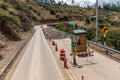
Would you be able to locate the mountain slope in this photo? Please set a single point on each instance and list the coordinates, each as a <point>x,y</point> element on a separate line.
<point>17,17</point>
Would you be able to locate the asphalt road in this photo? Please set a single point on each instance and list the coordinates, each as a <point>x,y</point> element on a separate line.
<point>37,63</point>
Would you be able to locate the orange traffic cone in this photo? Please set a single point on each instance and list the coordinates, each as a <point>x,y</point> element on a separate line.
<point>65,63</point>
<point>74,60</point>
<point>82,77</point>
<point>56,48</point>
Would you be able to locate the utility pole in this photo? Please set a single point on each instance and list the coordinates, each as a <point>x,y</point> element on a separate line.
<point>96,21</point>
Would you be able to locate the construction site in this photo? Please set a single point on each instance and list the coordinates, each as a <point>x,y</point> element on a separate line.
<point>96,66</point>
<point>59,40</point>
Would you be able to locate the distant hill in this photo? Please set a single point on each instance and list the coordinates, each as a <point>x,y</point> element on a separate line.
<point>17,17</point>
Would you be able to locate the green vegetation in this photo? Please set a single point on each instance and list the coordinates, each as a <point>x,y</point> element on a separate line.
<point>88,20</point>
<point>61,27</point>
<point>65,12</point>
<point>17,17</point>
<point>14,16</point>
<point>112,7</point>
<point>6,17</point>
<point>113,37</point>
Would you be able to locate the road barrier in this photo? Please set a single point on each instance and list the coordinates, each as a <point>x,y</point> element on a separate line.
<point>62,54</point>
<point>85,52</point>
<point>82,53</point>
<point>74,60</point>
<point>105,48</point>
<point>65,63</point>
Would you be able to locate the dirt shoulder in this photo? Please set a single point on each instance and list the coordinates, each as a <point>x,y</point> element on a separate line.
<point>8,52</point>
<point>8,49</point>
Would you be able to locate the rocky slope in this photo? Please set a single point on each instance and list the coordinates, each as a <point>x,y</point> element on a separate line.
<point>17,18</point>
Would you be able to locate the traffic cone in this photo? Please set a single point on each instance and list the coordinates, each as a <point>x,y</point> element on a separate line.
<point>56,48</point>
<point>82,77</point>
<point>74,60</point>
<point>53,43</point>
<point>49,38</point>
<point>65,63</point>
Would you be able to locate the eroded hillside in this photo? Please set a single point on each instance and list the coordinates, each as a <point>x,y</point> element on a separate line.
<point>17,18</point>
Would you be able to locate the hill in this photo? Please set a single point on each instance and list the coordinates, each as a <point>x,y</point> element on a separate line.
<point>17,18</point>
<point>85,19</point>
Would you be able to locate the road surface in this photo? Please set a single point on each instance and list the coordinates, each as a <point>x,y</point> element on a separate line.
<point>37,63</point>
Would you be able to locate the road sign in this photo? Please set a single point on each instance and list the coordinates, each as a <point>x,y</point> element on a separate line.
<point>105,30</point>
<point>71,23</point>
<point>74,44</point>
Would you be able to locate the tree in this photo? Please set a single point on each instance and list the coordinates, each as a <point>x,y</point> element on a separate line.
<point>52,2</point>
<point>73,2</point>
<point>46,1</point>
<point>99,7</point>
<point>59,3</point>
<point>65,4</point>
<point>88,20</point>
<point>111,7</point>
<point>88,6</point>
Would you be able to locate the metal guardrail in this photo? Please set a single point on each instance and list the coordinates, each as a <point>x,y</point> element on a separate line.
<point>106,48</point>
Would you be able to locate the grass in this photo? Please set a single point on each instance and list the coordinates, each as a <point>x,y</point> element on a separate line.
<point>26,14</point>
<point>68,11</point>
<point>6,16</point>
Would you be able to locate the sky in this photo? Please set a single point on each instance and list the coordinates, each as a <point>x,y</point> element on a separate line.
<point>86,2</point>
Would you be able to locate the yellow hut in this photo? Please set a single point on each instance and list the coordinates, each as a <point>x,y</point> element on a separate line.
<point>78,40</point>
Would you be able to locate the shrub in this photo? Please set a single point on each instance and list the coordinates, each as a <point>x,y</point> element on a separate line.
<point>115,23</point>
<point>93,19</point>
<point>113,38</point>
<point>52,12</point>
<point>4,5</point>
<point>90,33</point>
<point>7,17</point>
<point>61,27</point>
<point>88,21</point>
<point>65,18</point>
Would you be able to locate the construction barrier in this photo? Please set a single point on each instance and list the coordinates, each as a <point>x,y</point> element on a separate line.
<point>65,63</point>
<point>62,54</point>
<point>82,53</point>
<point>74,59</point>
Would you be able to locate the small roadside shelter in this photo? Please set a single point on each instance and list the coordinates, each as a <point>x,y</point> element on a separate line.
<point>78,40</point>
